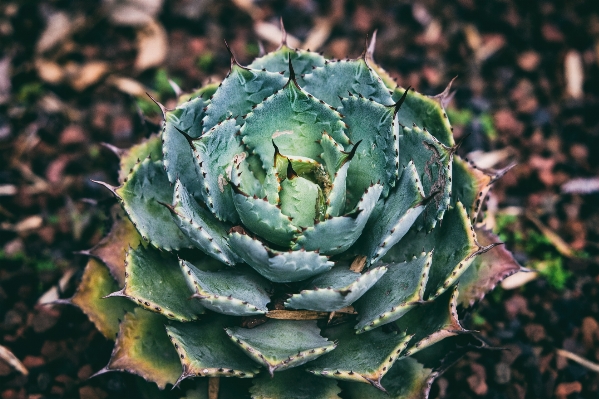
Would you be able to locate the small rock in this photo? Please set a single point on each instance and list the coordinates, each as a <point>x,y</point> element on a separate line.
<point>85,372</point>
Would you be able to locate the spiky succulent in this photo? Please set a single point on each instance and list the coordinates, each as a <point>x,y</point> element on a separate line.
<point>306,224</point>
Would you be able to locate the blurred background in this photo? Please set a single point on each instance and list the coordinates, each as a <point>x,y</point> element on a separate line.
<point>74,74</point>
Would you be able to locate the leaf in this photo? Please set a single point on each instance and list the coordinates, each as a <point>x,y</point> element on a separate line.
<point>232,292</point>
<point>360,357</point>
<point>282,344</point>
<point>294,121</point>
<point>431,322</point>
<point>201,227</point>
<point>140,195</point>
<point>398,291</point>
<point>487,270</point>
<point>265,219</point>
<point>112,249</point>
<point>391,221</point>
<point>470,186</point>
<point>278,266</point>
<point>324,237</point>
<point>285,385</point>
<point>204,350</point>
<point>407,379</point>
<point>154,280</point>
<point>142,347</point>
<point>239,92</point>
<point>375,160</point>
<point>130,157</point>
<point>433,161</point>
<point>454,244</point>
<point>105,313</point>
<point>336,78</point>
<point>335,289</point>
<point>178,156</point>
<point>278,61</point>
<point>425,112</point>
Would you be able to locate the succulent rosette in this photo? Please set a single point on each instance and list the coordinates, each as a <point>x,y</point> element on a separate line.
<point>305,224</point>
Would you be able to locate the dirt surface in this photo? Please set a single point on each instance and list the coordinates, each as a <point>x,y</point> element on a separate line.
<point>74,74</point>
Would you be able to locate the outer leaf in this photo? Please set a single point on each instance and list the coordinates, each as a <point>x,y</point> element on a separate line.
<point>112,249</point>
<point>178,159</point>
<point>285,385</point>
<point>278,267</point>
<point>149,147</point>
<point>142,348</point>
<point>141,194</point>
<point>362,358</point>
<point>204,350</point>
<point>201,227</point>
<point>282,344</point>
<point>433,162</point>
<point>242,89</point>
<point>407,379</point>
<point>105,313</point>
<point>154,281</point>
<point>394,294</point>
<point>335,78</point>
<point>487,270</point>
<point>375,160</point>
<point>391,222</point>
<point>215,152</point>
<point>324,237</point>
<point>278,61</point>
<point>470,186</point>
<point>236,293</point>
<point>431,322</point>
<point>335,289</point>
<point>454,245</point>
<point>426,112</point>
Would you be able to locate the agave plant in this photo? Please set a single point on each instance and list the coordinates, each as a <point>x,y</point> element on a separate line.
<point>304,227</point>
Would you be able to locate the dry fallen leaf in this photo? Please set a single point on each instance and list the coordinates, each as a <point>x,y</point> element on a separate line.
<point>49,71</point>
<point>58,27</point>
<point>88,74</point>
<point>132,12</point>
<point>574,74</point>
<point>12,360</point>
<point>128,85</point>
<point>152,44</point>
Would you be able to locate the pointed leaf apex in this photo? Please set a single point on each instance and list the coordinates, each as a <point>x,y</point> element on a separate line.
<point>115,294</point>
<point>108,186</point>
<point>398,104</point>
<point>100,372</point>
<point>162,107</point>
<point>117,151</point>
<point>283,33</point>
<point>371,46</point>
<point>445,97</point>
<point>233,59</point>
<point>187,136</point>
